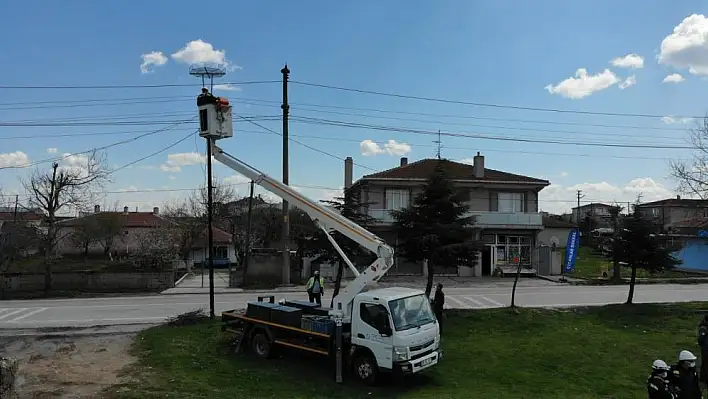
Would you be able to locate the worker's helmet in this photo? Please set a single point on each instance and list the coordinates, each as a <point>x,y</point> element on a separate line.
<point>687,356</point>
<point>660,365</point>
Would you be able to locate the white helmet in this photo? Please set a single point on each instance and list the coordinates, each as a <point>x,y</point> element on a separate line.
<point>660,365</point>
<point>686,356</point>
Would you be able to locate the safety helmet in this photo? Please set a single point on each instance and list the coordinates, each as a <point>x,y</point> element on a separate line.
<point>686,356</point>
<point>659,365</point>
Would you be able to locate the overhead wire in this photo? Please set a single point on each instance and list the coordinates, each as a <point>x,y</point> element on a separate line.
<point>480,104</point>
<point>152,86</point>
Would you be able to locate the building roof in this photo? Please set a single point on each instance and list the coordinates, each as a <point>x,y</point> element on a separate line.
<point>677,202</point>
<point>130,219</point>
<point>26,216</point>
<point>424,168</point>
<point>555,223</point>
<point>219,236</point>
<point>595,204</point>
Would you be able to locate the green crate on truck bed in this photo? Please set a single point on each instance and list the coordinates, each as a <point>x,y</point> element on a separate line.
<point>260,310</point>
<point>286,315</point>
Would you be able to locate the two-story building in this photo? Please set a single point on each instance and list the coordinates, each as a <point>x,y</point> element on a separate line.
<point>600,213</point>
<point>673,213</point>
<point>505,206</point>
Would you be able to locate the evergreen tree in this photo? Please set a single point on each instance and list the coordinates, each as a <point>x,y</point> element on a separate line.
<point>435,227</point>
<point>637,245</point>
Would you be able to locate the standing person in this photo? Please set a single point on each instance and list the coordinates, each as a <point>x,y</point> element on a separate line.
<point>315,288</point>
<point>657,385</point>
<point>438,302</point>
<point>703,344</point>
<point>683,376</point>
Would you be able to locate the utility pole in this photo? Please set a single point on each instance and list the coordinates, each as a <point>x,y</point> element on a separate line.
<point>286,177</point>
<point>17,202</point>
<point>248,233</point>
<point>210,213</point>
<point>579,195</point>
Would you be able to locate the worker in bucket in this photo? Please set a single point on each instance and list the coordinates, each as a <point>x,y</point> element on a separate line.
<point>315,288</point>
<point>438,303</point>
<point>657,384</point>
<point>683,377</point>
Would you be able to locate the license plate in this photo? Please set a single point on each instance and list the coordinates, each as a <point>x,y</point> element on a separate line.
<point>426,362</point>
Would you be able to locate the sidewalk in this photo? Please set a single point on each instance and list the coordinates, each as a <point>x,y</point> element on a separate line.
<point>193,284</point>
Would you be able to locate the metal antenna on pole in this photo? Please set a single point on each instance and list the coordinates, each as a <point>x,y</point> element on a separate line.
<point>438,153</point>
<point>210,72</point>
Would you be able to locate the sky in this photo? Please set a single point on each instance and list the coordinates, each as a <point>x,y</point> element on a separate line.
<point>518,62</point>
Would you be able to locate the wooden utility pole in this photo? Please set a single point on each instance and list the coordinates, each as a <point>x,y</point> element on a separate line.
<point>577,217</point>
<point>17,203</point>
<point>286,179</point>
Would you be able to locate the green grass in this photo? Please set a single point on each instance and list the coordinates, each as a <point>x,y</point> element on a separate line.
<point>582,353</point>
<point>590,264</point>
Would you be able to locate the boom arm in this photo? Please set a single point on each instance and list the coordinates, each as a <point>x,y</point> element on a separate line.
<point>326,219</point>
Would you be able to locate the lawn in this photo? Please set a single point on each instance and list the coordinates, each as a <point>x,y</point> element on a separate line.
<point>582,353</point>
<point>590,264</point>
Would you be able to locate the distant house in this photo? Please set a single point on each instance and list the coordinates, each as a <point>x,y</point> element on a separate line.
<point>128,226</point>
<point>32,217</point>
<point>598,212</point>
<point>675,213</point>
<point>224,252</point>
<point>505,204</point>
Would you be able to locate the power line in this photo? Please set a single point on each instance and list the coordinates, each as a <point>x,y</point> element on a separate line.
<point>28,87</point>
<point>152,154</point>
<point>56,159</point>
<point>305,145</point>
<point>489,105</point>
<point>326,122</point>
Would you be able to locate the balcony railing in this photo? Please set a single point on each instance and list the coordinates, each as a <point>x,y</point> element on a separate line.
<point>484,219</point>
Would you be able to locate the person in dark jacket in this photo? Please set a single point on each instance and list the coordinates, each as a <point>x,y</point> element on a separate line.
<point>683,377</point>
<point>657,385</point>
<point>438,303</point>
<point>703,344</point>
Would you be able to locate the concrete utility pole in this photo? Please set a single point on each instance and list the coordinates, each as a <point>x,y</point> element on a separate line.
<point>247,251</point>
<point>286,177</point>
<point>577,217</point>
<point>17,202</point>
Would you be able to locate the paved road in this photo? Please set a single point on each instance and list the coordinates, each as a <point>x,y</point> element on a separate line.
<point>155,309</point>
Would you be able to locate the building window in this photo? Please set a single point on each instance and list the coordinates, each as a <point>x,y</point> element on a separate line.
<point>511,202</point>
<point>397,199</point>
<point>512,250</point>
<point>221,253</point>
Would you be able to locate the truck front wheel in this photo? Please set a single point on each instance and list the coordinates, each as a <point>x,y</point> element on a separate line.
<point>365,369</point>
<point>261,345</point>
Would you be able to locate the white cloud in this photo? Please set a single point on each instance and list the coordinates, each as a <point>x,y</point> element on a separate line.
<point>151,60</point>
<point>669,120</point>
<point>176,161</point>
<point>77,164</point>
<point>630,81</point>
<point>199,51</point>
<point>583,85</point>
<point>673,78</point>
<point>52,150</point>
<point>687,46</point>
<point>392,147</point>
<point>172,177</point>
<point>564,174</point>
<point>14,159</point>
<point>227,87</point>
<point>560,199</point>
<point>633,61</point>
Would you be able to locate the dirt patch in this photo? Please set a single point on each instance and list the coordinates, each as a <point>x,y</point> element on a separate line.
<point>68,367</point>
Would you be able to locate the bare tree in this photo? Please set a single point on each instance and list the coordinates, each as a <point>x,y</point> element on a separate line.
<point>84,234</point>
<point>692,175</point>
<point>108,226</point>
<point>155,251</point>
<point>61,189</point>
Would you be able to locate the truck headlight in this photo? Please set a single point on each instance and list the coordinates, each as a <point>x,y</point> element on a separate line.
<point>400,353</point>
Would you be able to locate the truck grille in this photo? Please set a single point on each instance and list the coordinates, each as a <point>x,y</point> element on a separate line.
<point>422,346</point>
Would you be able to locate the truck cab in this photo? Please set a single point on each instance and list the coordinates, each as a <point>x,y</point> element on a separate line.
<point>393,330</point>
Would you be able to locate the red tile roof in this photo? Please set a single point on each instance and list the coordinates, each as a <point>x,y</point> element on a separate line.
<point>455,170</point>
<point>20,216</point>
<point>220,237</point>
<point>130,220</point>
<point>676,202</point>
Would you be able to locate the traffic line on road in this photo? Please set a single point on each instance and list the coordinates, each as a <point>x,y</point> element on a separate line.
<point>26,315</point>
<point>5,313</point>
<point>460,304</point>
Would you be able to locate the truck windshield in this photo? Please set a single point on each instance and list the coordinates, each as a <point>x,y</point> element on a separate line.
<point>411,312</point>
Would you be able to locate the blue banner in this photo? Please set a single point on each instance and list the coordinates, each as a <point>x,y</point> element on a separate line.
<point>571,250</point>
